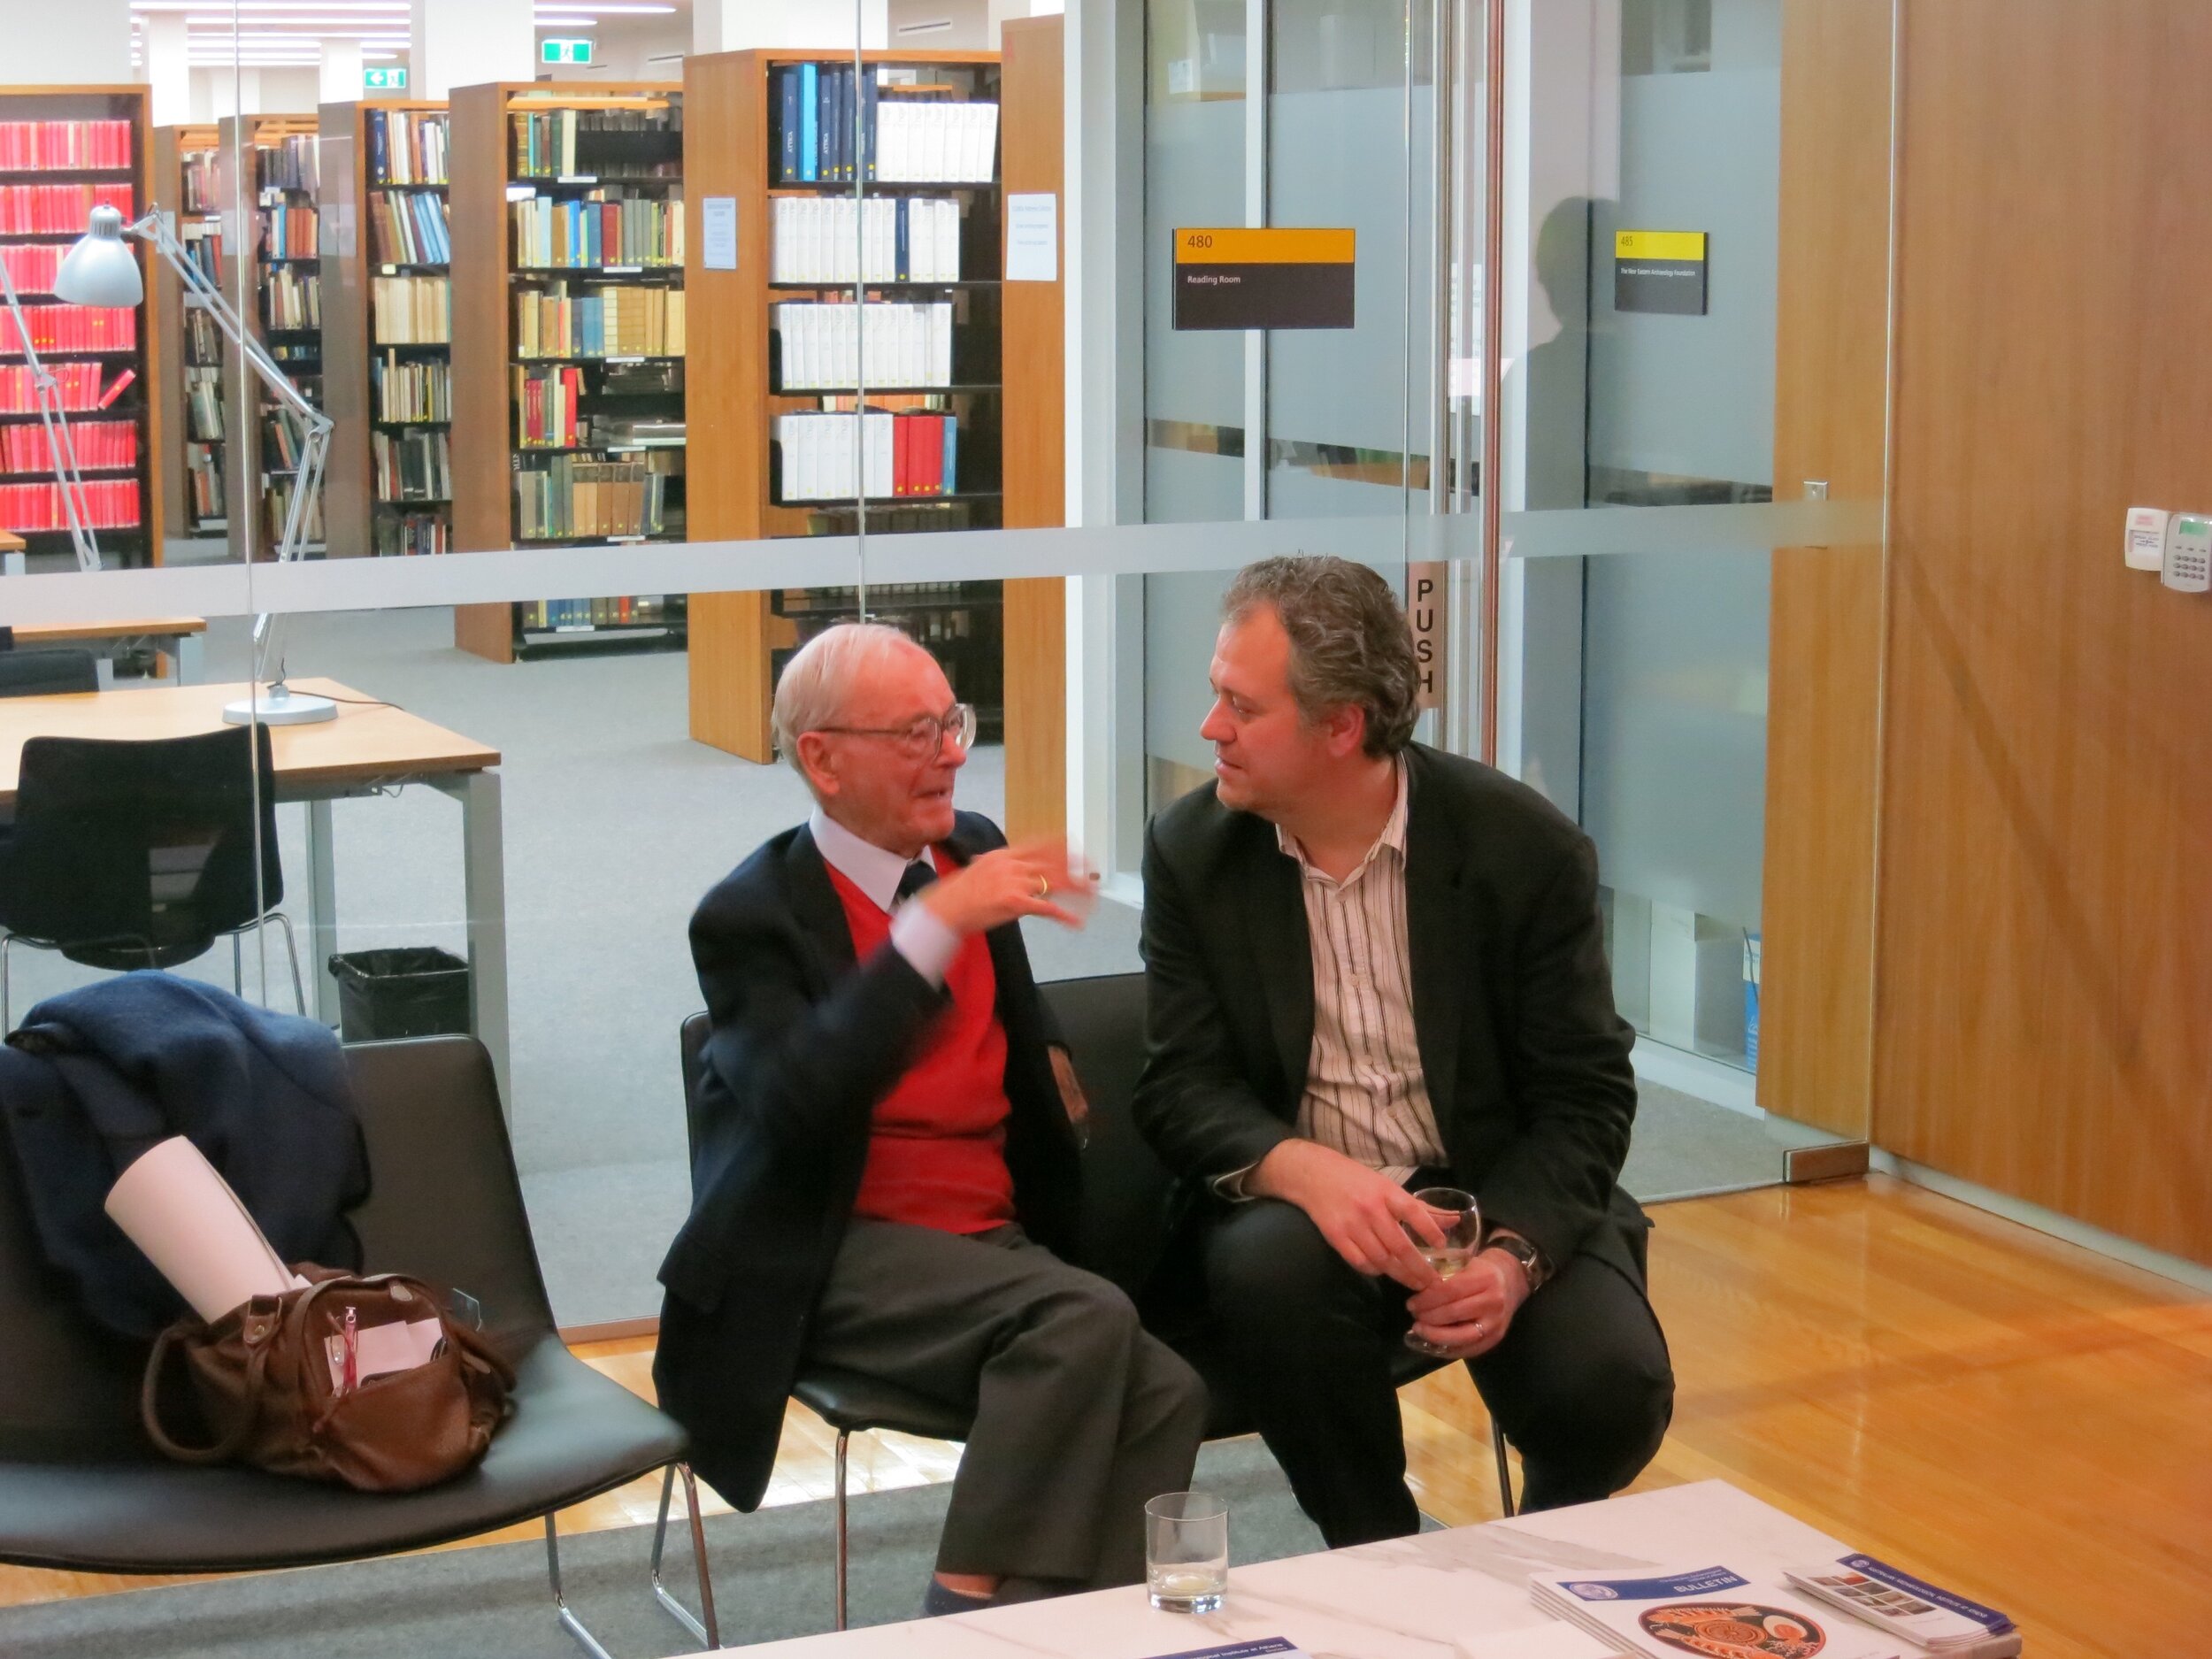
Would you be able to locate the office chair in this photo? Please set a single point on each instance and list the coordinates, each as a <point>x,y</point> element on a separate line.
<point>35,673</point>
<point>81,1488</point>
<point>141,854</point>
<point>1125,1192</point>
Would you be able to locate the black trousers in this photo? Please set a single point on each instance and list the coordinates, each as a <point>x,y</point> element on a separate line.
<point>1080,1417</point>
<point>1582,1383</point>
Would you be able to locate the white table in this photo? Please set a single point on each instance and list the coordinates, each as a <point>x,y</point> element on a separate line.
<point>1457,1594</point>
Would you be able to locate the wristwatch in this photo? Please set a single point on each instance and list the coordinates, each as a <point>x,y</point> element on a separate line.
<point>1520,1249</point>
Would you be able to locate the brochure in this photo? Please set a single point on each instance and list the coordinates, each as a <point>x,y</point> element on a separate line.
<point>1889,1599</point>
<point>1713,1612</point>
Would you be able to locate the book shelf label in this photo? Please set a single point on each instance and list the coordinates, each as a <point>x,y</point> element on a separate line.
<point>718,227</point>
<point>1033,238</point>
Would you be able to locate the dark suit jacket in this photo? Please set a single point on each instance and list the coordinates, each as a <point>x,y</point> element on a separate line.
<point>1526,1060</point>
<point>805,1041</point>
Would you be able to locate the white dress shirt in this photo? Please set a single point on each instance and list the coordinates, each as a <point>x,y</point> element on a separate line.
<point>1366,1095</point>
<point>927,943</point>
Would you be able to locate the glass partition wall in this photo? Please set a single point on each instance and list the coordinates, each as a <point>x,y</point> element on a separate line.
<point>637,377</point>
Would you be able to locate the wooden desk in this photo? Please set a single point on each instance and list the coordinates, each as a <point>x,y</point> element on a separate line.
<point>370,745</point>
<point>10,542</point>
<point>177,638</point>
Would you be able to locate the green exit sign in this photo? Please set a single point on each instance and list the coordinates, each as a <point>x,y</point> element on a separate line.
<point>563,52</point>
<point>387,78</point>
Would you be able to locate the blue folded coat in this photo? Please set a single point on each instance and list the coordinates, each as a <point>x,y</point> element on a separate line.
<point>95,1077</point>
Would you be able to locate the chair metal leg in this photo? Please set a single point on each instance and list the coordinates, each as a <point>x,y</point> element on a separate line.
<point>291,949</point>
<point>569,1623</point>
<point>7,1009</point>
<point>844,1538</point>
<point>708,1632</point>
<point>237,968</point>
<point>1505,1472</point>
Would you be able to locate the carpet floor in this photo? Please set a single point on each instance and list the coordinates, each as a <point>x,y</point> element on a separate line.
<point>615,823</point>
<point>773,1578</point>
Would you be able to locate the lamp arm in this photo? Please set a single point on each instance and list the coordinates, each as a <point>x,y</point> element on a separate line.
<point>154,230</point>
<point>61,445</point>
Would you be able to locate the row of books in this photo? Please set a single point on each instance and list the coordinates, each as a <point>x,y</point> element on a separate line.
<point>80,386</point>
<point>600,322</point>
<point>292,298</point>
<point>277,506</point>
<point>110,504</point>
<point>32,264</point>
<point>64,146</point>
<point>203,483</point>
<point>198,183</point>
<point>203,402</point>
<point>102,446</point>
<point>603,230</point>
<point>411,311</point>
<point>409,227</point>
<point>547,144</point>
<point>404,534</point>
<point>72,329</point>
<point>50,210</point>
<point>203,341</point>
<point>553,616</point>
<point>412,465</point>
<point>289,233</point>
<point>823,346</point>
<point>900,456</point>
<point>898,238</point>
<point>546,408</point>
<point>571,498</point>
<point>832,126</point>
<point>410,389</point>
<point>406,147</point>
<point>1853,1608</point>
<point>291,164</point>
<point>202,242</point>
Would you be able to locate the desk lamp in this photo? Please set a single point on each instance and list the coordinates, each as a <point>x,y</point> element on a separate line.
<point>100,269</point>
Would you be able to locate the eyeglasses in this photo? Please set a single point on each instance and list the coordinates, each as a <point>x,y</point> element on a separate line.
<point>922,737</point>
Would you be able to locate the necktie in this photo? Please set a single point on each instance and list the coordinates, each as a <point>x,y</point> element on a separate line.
<point>919,875</point>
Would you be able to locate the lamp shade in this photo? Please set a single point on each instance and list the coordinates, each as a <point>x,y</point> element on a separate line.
<point>100,269</point>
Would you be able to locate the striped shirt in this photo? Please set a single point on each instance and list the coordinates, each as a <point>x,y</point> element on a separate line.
<point>1365,1095</point>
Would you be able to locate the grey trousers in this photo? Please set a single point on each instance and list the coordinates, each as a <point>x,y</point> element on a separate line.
<point>1080,1415</point>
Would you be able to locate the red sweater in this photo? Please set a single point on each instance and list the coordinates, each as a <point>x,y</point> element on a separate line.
<point>937,1147</point>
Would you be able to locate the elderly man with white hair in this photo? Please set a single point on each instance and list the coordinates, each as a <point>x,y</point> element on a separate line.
<point>888,1155</point>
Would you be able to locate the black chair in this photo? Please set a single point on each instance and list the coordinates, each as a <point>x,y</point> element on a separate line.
<point>141,854</point>
<point>1126,1193</point>
<point>82,1489</point>
<point>37,674</point>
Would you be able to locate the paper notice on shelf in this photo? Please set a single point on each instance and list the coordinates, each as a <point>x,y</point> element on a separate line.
<point>717,217</point>
<point>1033,238</point>
<point>176,1207</point>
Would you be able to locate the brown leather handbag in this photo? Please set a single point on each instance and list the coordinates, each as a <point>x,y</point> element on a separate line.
<point>273,1384</point>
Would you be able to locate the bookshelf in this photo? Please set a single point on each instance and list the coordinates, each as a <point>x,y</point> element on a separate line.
<point>570,317</point>
<point>387,327</point>
<point>190,392</point>
<point>111,360</point>
<point>754,472</point>
<point>276,265</point>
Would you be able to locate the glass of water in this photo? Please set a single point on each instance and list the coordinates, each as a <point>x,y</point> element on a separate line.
<point>1459,1220</point>
<point>1187,1551</point>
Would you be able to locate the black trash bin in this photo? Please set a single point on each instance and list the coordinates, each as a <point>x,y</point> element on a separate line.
<point>407,990</point>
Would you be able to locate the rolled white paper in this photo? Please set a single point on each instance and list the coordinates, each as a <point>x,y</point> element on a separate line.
<point>179,1209</point>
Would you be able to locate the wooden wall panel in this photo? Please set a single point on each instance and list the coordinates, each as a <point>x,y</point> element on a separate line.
<point>483,487</point>
<point>1817,998</point>
<point>1035,442</point>
<point>2045,923</point>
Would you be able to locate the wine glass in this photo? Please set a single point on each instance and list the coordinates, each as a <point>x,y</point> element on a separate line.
<point>1455,1213</point>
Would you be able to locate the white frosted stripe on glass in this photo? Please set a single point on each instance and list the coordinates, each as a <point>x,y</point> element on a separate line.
<point>1381,541</point>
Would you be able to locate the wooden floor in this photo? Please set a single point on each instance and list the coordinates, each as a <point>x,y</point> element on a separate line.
<point>2007,1415</point>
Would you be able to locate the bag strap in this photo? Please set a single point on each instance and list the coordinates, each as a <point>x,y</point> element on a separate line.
<point>149,1406</point>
